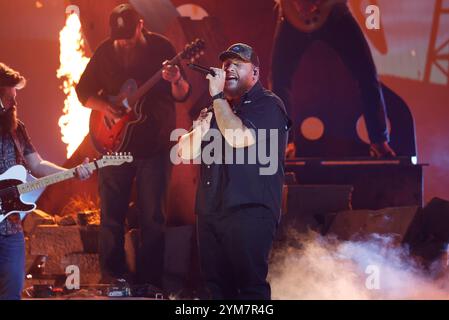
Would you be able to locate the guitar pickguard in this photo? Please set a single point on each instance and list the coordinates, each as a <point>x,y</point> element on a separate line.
<point>10,199</point>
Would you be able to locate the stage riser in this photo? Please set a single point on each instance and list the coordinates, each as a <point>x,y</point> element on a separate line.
<point>375,186</point>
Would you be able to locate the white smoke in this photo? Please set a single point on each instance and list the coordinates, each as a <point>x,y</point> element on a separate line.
<point>325,268</point>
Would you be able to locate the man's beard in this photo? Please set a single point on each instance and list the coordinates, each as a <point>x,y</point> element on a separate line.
<point>237,91</point>
<point>131,55</point>
<point>8,121</point>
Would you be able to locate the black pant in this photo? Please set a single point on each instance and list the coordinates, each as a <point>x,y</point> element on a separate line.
<point>234,247</point>
<point>344,35</point>
<point>115,184</point>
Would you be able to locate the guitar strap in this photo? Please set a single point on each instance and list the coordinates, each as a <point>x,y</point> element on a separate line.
<point>15,218</point>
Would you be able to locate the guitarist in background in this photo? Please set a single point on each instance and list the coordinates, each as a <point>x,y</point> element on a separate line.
<point>340,31</point>
<point>16,148</point>
<point>134,53</point>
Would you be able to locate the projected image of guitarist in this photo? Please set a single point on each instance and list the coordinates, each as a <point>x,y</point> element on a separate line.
<point>17,152</point>
<point>132,83</point>
<point>300,23</point>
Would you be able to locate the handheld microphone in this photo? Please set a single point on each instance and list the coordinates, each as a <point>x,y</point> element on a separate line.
<point>201,69</point>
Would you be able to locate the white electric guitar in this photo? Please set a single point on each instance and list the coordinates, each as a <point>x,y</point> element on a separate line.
<point>18,194</point>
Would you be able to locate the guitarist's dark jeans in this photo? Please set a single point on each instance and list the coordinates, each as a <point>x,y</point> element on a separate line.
<point>115,185</point>
<point>343,34</point>
<point>12,266</point>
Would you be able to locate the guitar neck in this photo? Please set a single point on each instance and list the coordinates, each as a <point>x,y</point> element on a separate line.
<point>54,178</point>
<point>143,89</point>
<point>150,83</point>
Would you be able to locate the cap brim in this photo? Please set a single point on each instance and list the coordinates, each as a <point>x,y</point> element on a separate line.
<point>231,55</point>
<point>122,35</point>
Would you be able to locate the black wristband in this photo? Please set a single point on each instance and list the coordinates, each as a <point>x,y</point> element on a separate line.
<point>219,96</point>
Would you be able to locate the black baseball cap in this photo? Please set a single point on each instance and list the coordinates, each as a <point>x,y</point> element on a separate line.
<point>123,22</point>
<point>241,51</point>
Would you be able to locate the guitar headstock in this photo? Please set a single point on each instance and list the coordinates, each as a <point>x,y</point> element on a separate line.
<point>194,50</point>
<point>116,159</point>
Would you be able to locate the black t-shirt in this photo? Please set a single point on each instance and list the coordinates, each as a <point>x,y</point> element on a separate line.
<point>228,186</point>
<point>105,75</point>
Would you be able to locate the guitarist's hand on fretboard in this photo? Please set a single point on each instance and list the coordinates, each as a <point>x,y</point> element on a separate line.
<point>83,172</point>
<point>171,73</point>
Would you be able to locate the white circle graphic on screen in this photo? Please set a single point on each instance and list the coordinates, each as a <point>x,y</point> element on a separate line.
<point>193,11</point>
<point>362,132</point>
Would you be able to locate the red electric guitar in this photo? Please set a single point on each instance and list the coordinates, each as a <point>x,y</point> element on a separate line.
<point>109,135</point>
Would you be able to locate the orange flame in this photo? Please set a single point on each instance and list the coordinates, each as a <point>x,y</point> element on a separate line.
<point>74,123</point>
